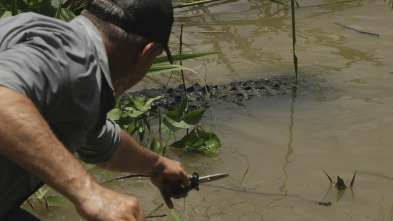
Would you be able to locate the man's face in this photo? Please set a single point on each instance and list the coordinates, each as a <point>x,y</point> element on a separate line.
<point>144,68</point>
<point>131,75</point>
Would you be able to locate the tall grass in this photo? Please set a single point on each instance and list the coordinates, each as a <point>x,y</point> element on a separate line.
<point>294,37</point>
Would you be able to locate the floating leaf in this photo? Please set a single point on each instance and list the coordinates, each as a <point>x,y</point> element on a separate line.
<point>198,140</point>
<point>211,141</point>
<point>191,141</point>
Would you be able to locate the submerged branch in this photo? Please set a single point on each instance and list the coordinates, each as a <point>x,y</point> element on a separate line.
<point>358,31</point>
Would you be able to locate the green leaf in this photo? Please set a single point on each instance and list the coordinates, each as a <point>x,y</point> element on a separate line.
<point>65,15</point>
<point>138,101</point>
<point>141,130</point>
<point>166,143</point>
<point>140,104</point>
<point>88,166</point>
<point>191,141</point>
<point>186,140</point>
<point>155,145</point>
<point>180,143</point>
<point>55,201</point>
<point>136,113</point>
<point>174,125</point>
<point>211,141</point>
<point>174,216</point>
<point>199,140</point>
<point>180,57</point>
<point>151,100</point>
<point>164,127</point>
<point>132,128</point>
<point>145,119</point>
<point>194,117</point>
<point>4,14</point>
<point>114,114</point>
<point>179,112</point>
<point>119,102</point>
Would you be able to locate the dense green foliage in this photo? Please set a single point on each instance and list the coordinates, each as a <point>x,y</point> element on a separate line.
<point>134,116</point>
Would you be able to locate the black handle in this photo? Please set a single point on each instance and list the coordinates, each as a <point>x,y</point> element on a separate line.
<point>194,184</point>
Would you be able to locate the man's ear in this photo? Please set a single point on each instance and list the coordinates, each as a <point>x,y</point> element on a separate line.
<point>144,54</point>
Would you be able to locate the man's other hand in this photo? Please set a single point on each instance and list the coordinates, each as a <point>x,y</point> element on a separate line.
<point>171,178</point>
<point>105,204</point>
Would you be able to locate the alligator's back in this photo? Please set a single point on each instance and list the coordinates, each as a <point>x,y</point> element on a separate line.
<point>204,96</point>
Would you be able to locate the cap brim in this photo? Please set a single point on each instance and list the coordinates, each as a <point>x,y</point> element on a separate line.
<point>168,54</point>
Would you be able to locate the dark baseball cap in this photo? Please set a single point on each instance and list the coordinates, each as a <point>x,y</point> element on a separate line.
<point>151,19</point>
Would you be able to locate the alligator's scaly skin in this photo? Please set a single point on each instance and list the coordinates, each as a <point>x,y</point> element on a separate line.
<point>232,92</point>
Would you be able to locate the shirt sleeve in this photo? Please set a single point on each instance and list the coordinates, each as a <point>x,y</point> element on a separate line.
<point>101,146</point>
<point>13,81</point>
<point>56,66</point>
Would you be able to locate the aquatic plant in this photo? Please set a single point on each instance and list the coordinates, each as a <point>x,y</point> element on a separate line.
<point>340,185</point>
<point>293,2</point>
<point>133,115</point>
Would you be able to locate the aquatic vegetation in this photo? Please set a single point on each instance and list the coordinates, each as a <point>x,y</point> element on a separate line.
<point>340,185</point>
<point>191,3</point>
<point>174,216</point>
<point>133,115</point>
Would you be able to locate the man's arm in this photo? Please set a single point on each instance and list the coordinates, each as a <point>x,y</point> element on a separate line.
<point>168,175</point>
<point>27,140</point>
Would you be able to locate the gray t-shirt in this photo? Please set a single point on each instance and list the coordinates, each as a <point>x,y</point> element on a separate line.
<point>63,68</point>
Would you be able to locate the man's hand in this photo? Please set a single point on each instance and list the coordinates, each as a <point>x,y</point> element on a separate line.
<point>172,178</point>
<point>24,134</point>
<point>105,204</point>
<point>168,175</point>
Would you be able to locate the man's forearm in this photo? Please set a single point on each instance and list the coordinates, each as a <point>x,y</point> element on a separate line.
<point>133,157</point>
<point>27,140</point>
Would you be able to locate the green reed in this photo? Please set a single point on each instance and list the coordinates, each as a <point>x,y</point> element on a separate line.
<point>293,3</point>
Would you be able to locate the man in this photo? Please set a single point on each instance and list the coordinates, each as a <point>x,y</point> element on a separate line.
<point>57,82</point>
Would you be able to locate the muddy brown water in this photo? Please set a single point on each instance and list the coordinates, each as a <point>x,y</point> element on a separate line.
<point>275,148</point>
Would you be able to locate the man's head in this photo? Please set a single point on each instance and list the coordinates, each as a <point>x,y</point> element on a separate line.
<point>149,19</point>
<point>135,32</point>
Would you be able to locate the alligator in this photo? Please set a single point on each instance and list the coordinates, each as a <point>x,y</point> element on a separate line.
<point>238,91</point>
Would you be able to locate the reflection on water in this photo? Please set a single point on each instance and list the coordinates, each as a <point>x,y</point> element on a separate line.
<point>275,148</point>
